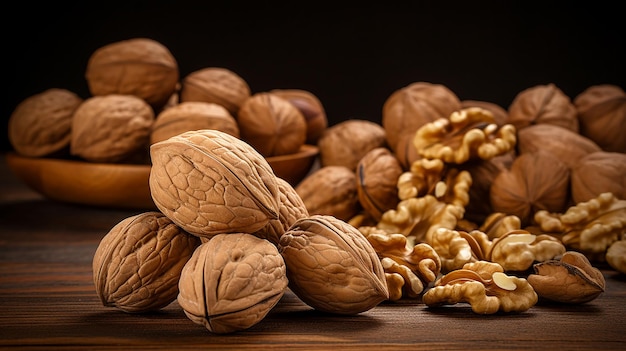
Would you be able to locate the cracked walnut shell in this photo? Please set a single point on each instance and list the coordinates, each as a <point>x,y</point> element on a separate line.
<point>138,263</point>
<point>209,182</point>
<point>231,282</point>
<point>332,267</point>
<point>140,66</point>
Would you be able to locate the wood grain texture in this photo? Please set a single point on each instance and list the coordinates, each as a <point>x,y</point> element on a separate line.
<point>48,301</point>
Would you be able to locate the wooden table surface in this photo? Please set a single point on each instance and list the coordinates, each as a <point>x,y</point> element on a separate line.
<point>48,301</point>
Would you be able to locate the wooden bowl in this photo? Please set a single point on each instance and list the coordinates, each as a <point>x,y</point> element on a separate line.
<point>294,167</point>
<point>99,184</point>
<point>121,185</point>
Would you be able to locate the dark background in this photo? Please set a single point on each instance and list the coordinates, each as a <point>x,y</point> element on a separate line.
<point>352,58</point>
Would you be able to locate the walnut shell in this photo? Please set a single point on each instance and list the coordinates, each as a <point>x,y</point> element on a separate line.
<point>231,282</point>
<point>543,104</point>
<point>311,107</point>
<point>332,267</point>
<point>602,116</point>
<point>414,105</point>
<point>138,263</point>
<point>536,181</point>
<point>597,173</point>
<point>271,124</point>
<point>41,124</point>
<point>345,143</point>
<point>209,182</point>
<point>377,177</point>
<point>111,128</point>
<point>140,66</point>
<point>330,190</point>
<point>217,85</point>
<point>566,145</point>
<point>192,115</point>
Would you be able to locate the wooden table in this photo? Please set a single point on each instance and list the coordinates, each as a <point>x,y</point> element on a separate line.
<point>48,301</point>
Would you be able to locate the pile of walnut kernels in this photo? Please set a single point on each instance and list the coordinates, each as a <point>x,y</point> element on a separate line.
<point>447,201</point>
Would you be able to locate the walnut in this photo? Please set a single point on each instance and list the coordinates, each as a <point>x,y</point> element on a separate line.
<point>500,115</point>
<point>345,143</point>
<point>139,66</point>
<point>597,173</point>
<point>543,104</point>
<point>464,135</point>
<point>332,267</point>
<point>376,177</point>
<point>616,255</point>
<point>311,108</point>
<point>410,107</point>
<point>571,279</point>
<point>536,181</point>
<point>291,209</point>
<point>40,125</point>
<point>589,227</point>
<point>566,145</point>
<point>408,268</point>
<point>271,124</point>
<point>485,287</point>
<point>217,85</point>
<point>602,116</point>
<point>192,115</point>
<point>138,263</point>
<point>111,128</point>
<point>339,197</point>
<point>497,224</point>
<point>405,152</point>
<point>209,182</point>
<point>232,282</point>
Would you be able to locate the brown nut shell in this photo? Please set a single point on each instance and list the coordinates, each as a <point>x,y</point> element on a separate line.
<point>231,282</point>
<point>271,124</point>
<point>311,107</point>
<point>410,107</point>
<point>138,263</point>
<point>332,267</point>
<point>377,177</point>
<point>209,182</point>
<point>111,128</point>
<point>345,143</point>
<point>543,104</point>
<point>41,124</point>
<point>330,190</point>
<point>602,116</point>
<point>140,66</point>
<point>217,85</point>
<point>192,115</point>
<point>597,173</point>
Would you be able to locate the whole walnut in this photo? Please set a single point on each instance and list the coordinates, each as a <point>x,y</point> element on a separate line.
<point>414,105</point>
<point>140,66</point>
<point>597,173</point>
<point>311,107</point>
<point>330,190</point>
<point>602,116</point>
<point>41,124</point>
<point>543,104</point>
<point>345,143</point>
<point>138,263</point>
<point>271,124</point>
<point>111,128</point>
<point>192,115</point>
<point>536,181</point>
<point>377,177</point>
<point>217,85</point>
